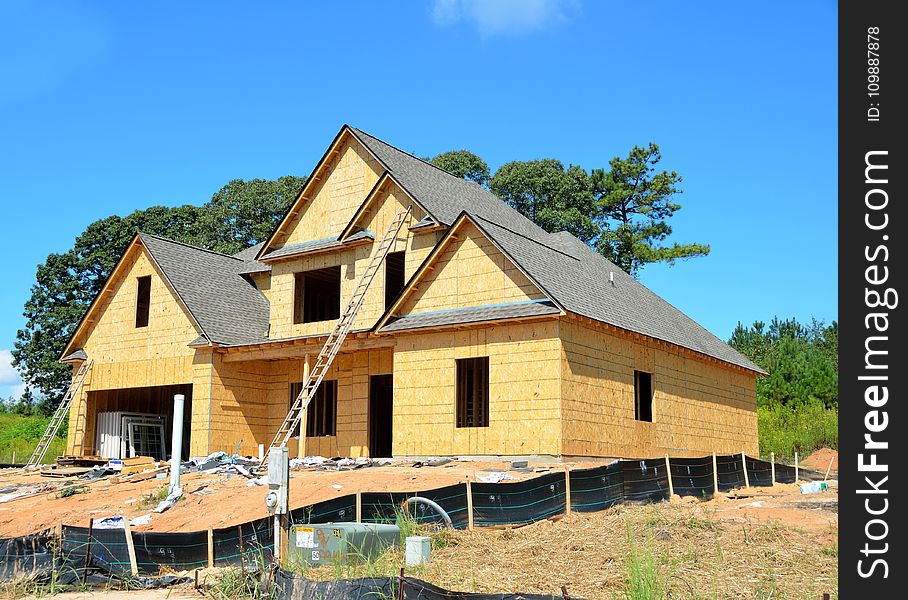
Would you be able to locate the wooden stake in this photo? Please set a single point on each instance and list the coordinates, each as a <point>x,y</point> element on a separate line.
<point>359,507</point>
<point>400,588</point>
<point>668,471</point>
<point>91,524</point>
<point>130,548</point>
<point>210,547</point>
<point>469,505</point>
<point>829,468</point>
<point>772,462</point>
<point>796,467</point>
<point>567,490</point>
<point>715,475</point>
<point>744,464</point>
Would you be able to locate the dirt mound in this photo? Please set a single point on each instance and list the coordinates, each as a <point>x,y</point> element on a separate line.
<point>819,460</point>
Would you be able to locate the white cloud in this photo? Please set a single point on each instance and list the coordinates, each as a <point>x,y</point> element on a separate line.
<point>501,17</point>
<point>10,381</point>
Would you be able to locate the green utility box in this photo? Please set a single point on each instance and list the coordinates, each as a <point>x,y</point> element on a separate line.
<point>330,543</point>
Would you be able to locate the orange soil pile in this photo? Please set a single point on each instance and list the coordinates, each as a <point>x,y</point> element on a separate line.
<point>819,460</point>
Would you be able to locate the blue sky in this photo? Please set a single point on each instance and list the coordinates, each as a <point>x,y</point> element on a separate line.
<point>109,107</point>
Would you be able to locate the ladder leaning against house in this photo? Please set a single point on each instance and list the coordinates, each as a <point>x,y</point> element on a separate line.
<point>59,414</point>
<point>338,334</point>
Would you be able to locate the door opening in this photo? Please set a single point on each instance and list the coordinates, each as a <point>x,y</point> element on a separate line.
<point>381,405</point>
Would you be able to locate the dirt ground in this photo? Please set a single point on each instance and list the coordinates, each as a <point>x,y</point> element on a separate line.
<point>233,501</point>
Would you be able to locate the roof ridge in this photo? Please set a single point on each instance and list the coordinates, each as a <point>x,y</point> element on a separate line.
<point>509,230</point>
<point>392,146</point>
<point>200,249</point>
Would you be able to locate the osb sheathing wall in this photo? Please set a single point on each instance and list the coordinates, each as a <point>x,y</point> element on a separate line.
<point>344,182</point>
<point>352,262</point>
<point>249,401</point>
<point>524,391</point>
<point>471,271</point>
<point>698,406</point>
<point>127,356</point>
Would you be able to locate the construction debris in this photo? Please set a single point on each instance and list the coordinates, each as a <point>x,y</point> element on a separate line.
<point>169,501</point>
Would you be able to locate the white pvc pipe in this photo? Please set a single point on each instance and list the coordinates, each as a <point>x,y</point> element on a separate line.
<point>177,442</point>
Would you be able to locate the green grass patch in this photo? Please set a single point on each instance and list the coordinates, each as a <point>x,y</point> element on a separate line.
<point>19,435</point>
<point>802,429</point>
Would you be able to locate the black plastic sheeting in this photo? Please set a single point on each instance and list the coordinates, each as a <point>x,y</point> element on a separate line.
<point>108,551</point>
<point>597,488</point>
<point>247,544</point>
<point>178,551</point>
<point>382,507</point>
<point>785,474</point>
<point>521,502</point>
<point>340,509</point>
<point>692,476</point>
<point>730,472</point>
<point>26,555</point>
<point>295,587</point>
<point>759,472</point>
<point>645,480</point>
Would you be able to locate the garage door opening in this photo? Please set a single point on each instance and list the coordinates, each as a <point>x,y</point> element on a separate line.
<point>136,421</point>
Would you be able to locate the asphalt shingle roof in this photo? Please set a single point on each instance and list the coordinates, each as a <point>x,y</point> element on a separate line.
<point>471,315</point>
<point>231,311</point>
<point>317,245</point>
<point>227,306</point>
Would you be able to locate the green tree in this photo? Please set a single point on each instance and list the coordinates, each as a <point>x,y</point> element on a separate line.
<point>633,205</point>
<point>802,361</point>
<point>555,198</point>
<point>464,164</point>
<point>244,213</point>
<point>67,283</point>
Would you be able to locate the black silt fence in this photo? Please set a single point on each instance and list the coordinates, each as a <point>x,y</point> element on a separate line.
<point>25,555</point>
<point>730,472</point>
<point>246,544</point>
<point>382,507</point>
<point>645,480</point>
<point>692,476</point>
<point>108,550</point>
<point>759,472</point>
<point>521,502</point>
<point>340,509</point>
<point>178,551</point>
<point>598,488</point>
<point>784,474</point>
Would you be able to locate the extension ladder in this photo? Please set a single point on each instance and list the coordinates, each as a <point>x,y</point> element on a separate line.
<point>59,414</point>
<point>338,334</point>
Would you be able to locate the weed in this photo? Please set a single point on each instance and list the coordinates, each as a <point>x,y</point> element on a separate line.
<point>644,579</point>
<point>830,550</point>
<point>154,498</point>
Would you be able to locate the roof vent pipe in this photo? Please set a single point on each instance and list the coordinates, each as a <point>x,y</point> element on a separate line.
<point>611,278</point>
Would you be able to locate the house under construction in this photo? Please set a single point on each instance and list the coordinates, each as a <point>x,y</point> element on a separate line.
<point>469,331</point>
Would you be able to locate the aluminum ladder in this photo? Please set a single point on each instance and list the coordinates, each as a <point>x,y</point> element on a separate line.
<point>338,334</point>
<point>59,414</point>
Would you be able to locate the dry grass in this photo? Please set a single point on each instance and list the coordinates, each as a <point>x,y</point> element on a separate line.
<point>690,550</point>
<point>696,555</point>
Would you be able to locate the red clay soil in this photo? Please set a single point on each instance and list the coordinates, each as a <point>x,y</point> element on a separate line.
<point>233,501</point>
<point>819,460</point>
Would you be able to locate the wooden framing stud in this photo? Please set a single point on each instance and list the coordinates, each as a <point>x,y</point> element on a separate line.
<point>715,475</point>
<point>668,474</point>
<point>744,466</point>
<point>210,548</point>
<point>567,490</point>
<point>469,505</point>
<point>130,548</point>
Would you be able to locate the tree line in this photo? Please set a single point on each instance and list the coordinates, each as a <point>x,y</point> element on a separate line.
<point>622,210</point>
